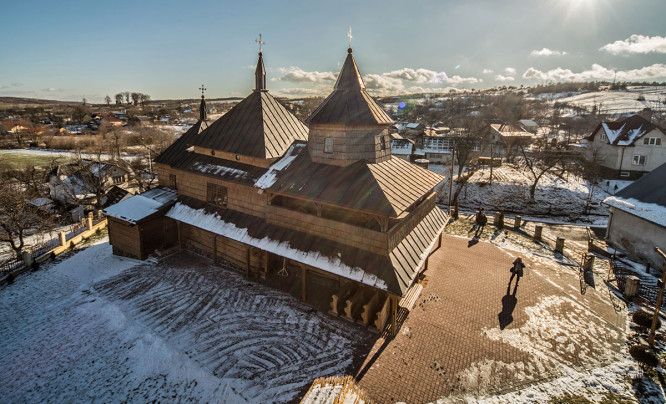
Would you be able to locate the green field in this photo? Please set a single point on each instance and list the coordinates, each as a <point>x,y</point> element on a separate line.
<point>21,158</point>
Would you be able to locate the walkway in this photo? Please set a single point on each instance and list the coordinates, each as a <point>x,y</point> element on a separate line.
<point>468,334</point>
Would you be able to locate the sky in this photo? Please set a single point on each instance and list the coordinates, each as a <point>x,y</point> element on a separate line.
<point>70,50</point>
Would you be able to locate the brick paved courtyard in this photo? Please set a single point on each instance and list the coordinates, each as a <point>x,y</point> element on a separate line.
<point>468,335</point>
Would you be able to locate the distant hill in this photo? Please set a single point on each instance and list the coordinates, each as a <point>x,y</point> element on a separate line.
<point>21,100</point>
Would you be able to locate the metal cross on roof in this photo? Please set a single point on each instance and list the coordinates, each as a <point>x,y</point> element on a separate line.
<point>202,88</point>
<point>349,35</point>
<point>261,44</point>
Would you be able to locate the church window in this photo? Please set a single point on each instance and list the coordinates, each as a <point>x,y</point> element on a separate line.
<point>328,145</point>
<point>216,194</point>
<point>172,181</point>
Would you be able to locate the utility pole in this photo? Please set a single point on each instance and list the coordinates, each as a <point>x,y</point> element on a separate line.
<point>492,162</point>
<point>660,296</point>
<point>453,155</point>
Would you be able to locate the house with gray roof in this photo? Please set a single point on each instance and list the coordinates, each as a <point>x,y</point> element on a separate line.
<point>627,148</point>
<point>637,222</point>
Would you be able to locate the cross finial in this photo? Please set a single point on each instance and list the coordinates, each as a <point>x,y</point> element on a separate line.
<point>261,44</point>
<point>349,35</point>
<point>202,88</point>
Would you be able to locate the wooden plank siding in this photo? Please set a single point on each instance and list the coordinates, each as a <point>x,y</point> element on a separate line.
<point>125,238</point>
<point>398,232</point>
<point>369,240</point>
<point>241,198</point>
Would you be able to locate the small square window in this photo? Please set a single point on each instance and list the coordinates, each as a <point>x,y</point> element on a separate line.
<point>639,160</point>
<point>624,174</point>
<point>216,194</point>
<point>328,145</point>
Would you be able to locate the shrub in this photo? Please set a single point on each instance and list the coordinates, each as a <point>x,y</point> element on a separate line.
<point>644,355</point>
<point>644,319</point>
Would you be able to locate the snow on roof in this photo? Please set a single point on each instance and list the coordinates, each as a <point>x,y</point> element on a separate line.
<point>401,147</point>
<point>632,134</point>
<point>141,206</point>
<point>412,125</point>
<point>268,179</point>
<point>213,223</point>
<point>649,211</point>
<point>216,169</point>
<point>528,122</point>
<point>626,131</point>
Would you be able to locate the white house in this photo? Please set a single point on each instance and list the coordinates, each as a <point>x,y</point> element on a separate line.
<point>637,222</point>
<point>627,148</point>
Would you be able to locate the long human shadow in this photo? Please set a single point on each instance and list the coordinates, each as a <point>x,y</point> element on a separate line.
<point>509,302</point>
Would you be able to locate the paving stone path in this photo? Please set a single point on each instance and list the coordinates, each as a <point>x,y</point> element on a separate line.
<point>471,333</point>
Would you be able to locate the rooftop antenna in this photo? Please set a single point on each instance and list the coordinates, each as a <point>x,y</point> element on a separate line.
<point>260,42</point>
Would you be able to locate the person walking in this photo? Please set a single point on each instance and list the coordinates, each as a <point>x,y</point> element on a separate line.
<point>480,221</point>
<point>517,270</point>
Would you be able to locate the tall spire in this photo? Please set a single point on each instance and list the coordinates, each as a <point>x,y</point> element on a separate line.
<point>260,72</point>
<point>202,106</point>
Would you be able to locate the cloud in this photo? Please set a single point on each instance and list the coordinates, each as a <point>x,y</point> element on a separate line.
<point>298,75</point>
<point>17,84</point>
<point>418,75</point>
<point>547,52</point>
<point>3,86</point>
<point>384,84</point>
<point>51,90</point>
<point>499,77</point>
<point>487,71</point>
<point>510,70</point>
<point>598,72</point>
<point>637,44</point>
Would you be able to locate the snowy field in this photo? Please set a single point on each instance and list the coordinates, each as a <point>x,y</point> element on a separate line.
<point>618,102</point>
<point>563,197</point>
<point>97,327</point>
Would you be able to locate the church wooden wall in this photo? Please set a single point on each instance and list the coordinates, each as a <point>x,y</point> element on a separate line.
<point>373,241</point>
<point>125,239</point>
<point>350,143</point>
<point>406,225</point>
<point>241,198</point>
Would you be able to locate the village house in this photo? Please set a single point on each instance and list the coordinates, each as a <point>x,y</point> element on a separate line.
<point>637,222</point>
<point>86,183</point>
<point>627,148</point>
<point>323,210</point>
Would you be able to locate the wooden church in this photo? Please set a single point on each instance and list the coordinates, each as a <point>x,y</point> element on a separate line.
<point>323,203</point>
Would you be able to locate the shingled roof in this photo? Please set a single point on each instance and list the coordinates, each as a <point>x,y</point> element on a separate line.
<point>386,188</point>
<point>625,131</point>
<point>349,103</point>
<point>174,153</point>
<point>258,126</point>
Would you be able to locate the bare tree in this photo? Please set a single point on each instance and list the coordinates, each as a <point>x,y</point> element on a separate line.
<point>17,216</point>
<point>135,98</point>
<point>107,99</point>
<point>119,99</point>
<point>540,160</point>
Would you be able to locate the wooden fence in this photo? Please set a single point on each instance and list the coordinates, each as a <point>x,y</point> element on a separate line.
<point>53,247</point>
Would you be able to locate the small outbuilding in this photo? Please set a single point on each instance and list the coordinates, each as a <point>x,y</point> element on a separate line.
<point>137,226</point>
<point>637,222</point>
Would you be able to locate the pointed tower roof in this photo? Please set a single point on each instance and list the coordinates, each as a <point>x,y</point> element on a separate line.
<point>258,126</point>
<point>260,75</point>
<point>349,103</point>
<point>203,111</point>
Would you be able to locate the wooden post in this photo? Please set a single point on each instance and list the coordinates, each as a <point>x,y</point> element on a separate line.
<point>304,281</point>
<point>63,238</point>
<point>90,221</point>
<point>537,232</point>
<point>516,222</point>
<point>660,296</point>
<point>559,245</point>
<point>214,248</point>
<point>27,259</point>
<point>394,315</point>
<point>180,241</point>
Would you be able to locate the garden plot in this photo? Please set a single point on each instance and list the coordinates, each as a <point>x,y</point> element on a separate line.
<point>97,327</point>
